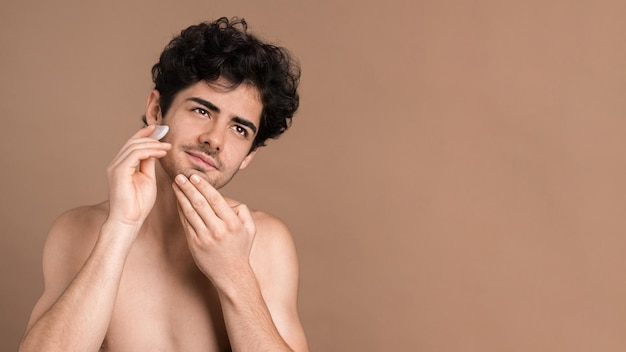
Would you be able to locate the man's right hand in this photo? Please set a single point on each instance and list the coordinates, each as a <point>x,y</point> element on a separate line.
<point>74,312</point>
<point>132,180</point>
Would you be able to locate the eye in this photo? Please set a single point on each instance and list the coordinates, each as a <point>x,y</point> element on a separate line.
<point>240,130</point>
<point>201,111</point>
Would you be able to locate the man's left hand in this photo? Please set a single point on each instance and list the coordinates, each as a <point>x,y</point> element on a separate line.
<point>220,237</point>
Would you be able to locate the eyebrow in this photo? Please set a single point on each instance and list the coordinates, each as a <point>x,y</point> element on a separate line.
<point>206,104</point>
<point>245,122</point>
<point>212,107</point>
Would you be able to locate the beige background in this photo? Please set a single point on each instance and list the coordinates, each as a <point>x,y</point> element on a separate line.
<point>454,179</point>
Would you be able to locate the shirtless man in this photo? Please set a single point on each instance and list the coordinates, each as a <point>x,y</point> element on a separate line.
<point>167,263</point>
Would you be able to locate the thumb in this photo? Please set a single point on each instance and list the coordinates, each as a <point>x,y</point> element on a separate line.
<point>243,213</point>
<point>147,167</point>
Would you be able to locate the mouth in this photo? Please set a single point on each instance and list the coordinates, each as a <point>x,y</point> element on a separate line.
<point>201,159</point>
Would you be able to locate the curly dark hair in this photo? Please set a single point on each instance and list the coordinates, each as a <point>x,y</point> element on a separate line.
<point>224,49</point>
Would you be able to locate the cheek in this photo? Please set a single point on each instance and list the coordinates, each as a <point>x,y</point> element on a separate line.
<point>173,136</point>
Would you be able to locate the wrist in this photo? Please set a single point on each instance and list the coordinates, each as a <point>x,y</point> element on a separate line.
<point>237,283</point>
<point>114,225</point>
<point>113,231</point>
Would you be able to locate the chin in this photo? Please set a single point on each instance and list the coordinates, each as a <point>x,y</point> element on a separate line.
<point>215,182</point>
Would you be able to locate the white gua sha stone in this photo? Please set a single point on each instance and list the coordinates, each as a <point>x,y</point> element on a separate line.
<point>160,131</point>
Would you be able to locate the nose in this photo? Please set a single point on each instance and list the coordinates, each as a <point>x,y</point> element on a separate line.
<point>213,137</point>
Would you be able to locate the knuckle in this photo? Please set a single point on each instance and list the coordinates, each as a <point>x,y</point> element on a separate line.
<point>189,212</point>
<point>220,233</point>
<point>214,198</point>
<point>204,242</point>
<point>198,203</point>
<point>233,227</point>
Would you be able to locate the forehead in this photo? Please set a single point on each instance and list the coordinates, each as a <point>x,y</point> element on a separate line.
<point>242,101</point>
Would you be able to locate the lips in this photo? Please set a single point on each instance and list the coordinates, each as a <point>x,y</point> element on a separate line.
<point>202,158</point>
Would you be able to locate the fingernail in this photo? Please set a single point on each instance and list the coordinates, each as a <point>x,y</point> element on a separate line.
<point>195,178</point>
<point>180,179</point>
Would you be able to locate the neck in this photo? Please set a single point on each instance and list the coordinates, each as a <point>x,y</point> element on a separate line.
<point>163,223</point>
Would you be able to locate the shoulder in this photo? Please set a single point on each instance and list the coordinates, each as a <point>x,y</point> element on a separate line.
<point>71,238</point>
<point>77,224</point>
<point>270,225</point>
<point>273,256</point>
<point>272,234</point>
<point>273,250</point>
<point>88,215</point>
<point>69,242</point>
<point>275,264</point>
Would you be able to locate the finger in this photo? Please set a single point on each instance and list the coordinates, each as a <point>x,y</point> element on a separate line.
<point>140,141</point>
<point>197,199</point>
<point>141,135</point>
<point>147,167</point>
<point>214,199</point>
<point>131,158</point>
<point>136,144</point>
<point>159,131</point>
<point>188,212</point>
<point>189,229</point>
<point>243,213</point>
<point>144,132</point>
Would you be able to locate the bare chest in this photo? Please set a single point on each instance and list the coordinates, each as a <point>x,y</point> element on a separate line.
<point>163,308</point>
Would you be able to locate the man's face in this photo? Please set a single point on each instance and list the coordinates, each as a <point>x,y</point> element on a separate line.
<point>211,131</point>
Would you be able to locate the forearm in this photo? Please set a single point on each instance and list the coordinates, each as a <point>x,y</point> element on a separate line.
<point>79,318</point>
<point>248,320</point>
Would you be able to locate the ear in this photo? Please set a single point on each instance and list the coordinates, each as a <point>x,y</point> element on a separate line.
<point>248,159</point>
<point>153,109</point>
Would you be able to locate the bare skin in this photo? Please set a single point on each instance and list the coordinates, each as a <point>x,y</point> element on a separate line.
<point>167,263</point>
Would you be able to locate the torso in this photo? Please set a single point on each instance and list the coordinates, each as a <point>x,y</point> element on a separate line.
<point>165,307</point>
<point>164,302</point>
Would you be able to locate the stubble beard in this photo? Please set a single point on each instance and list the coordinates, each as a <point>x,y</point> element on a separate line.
<point>172,169</point>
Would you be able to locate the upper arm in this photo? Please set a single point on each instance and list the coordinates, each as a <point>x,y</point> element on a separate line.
<point>275,263</point>
<point>66,248</point>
